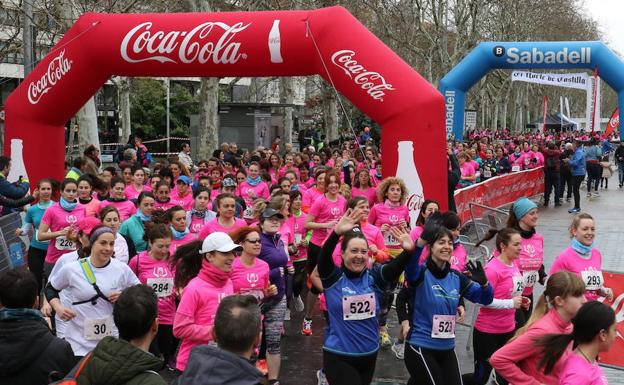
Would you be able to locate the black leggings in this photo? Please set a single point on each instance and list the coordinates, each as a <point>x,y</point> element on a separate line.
<point>36,257</point>
<point>523,315</point>
<point>431,367</point>
<point>313,253</point>
<point>594,173</point>
<point>299,279</point>
<point>576,186</point>
<point>164,343</point>
<point>485,344</point>
<point>349,370</point>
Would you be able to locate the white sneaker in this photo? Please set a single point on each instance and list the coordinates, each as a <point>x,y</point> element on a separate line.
<point>589,194</point>
<point>596,194</point>
<point>287,315</point>
<point>399,349</point>
<point>298,302</point>
<point>320,376</point>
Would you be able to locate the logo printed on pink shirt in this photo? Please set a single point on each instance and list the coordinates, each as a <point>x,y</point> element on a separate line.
<point>71,219</point>
<point>335,211</point>
<point>160,272</point>
<point>253,279</point>
<point>530,250</point>
<point>393,218</point>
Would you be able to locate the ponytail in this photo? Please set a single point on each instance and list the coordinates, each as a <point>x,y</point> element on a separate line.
<point>490,234</point>
<point>187,262</point>
<point>553,346</point>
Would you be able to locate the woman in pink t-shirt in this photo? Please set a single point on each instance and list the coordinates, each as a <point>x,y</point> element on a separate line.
<point>86,196</point>
<point>250,275</point>
<point>183,194</point>
<point>594,333</point>
<point>583,259</point>
<point>362,186</point>
<point>118,199</point>
<point>225,221</point>
<point>251,189</point>
<point>325,212</point>
<point>310,196</point>
<point>138,185</point>
<point>518,361</point>
<point>162,197</point>
<point>197,218</point>
<point>495,323</point>
<point>57,222</point>
<point>206,266</point>
<point>391,212</point>
<point>180,234</point>
<point>296,224</point>
<point>153,268</point>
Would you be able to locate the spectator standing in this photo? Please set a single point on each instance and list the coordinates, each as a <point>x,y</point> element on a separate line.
<point>552,166</point>
<point>619,161</point>
<point>92,156</point>
<point>15,190</point>
<point>577,169</point>
<point>184,156</point>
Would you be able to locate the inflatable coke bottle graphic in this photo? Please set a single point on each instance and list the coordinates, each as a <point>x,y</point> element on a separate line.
<point>275,43</point>
<point>18,168</point>
<point>406,170</point>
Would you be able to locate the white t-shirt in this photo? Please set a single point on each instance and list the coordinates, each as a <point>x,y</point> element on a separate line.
<point>121,249</point>
<point>92,322</point>
<point>63,295</point>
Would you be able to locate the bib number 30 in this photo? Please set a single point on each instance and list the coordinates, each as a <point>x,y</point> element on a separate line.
<point>358,307</point>
<point>96,329</point>
<point>443,326</point>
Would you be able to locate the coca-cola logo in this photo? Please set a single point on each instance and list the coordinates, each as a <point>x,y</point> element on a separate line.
<point>210,41</point>
<point>57,68</point>
<point>372,82</point>
<point>615,121</point>
<point>414,202</point>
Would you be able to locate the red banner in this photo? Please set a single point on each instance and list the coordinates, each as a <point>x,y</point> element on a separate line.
<point>615,356</point>
<point>500,190</point>
<point>614,122</point>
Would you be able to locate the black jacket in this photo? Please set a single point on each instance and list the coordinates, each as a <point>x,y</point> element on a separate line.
<point>209,365</point>
<point>619,154</point>
<point>28,350</point>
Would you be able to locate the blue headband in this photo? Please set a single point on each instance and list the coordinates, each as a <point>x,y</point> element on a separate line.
<point>99,231</point>
<point>522,206</point>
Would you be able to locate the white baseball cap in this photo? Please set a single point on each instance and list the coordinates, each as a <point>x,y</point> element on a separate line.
<point>218,242</point>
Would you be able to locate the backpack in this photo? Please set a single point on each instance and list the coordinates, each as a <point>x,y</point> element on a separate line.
<point>72,377</point>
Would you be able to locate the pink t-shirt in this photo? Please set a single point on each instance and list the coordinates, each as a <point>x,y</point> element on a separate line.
<point>297,228</point>
<point>132,193</point>
<point>507,283</point>
<point>323,210</point>
<point>92,208</point>
<point>57,219</point>
<point>250,280</point>
<point>370,194</point>
<point>382,214</point>
<point>576,370</point>
<point>250,193</point>
<point>199,301</point>
<point>186,201</point>
<point>159,276</point>
<point>309,198</point>
<point>530,260</point>
<point>177,242</point>
<point>196,225</point>
<point>214,226</point>
<point>126,208</point>
<point>164,206</point>
<point>589,269</point>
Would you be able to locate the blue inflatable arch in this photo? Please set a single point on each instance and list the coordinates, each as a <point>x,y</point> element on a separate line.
<point>525,55</point>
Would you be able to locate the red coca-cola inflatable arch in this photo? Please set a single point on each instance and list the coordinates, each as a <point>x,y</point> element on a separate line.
<point>329,42</point>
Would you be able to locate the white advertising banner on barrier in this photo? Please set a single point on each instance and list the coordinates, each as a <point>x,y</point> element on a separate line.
<point>578,80</point>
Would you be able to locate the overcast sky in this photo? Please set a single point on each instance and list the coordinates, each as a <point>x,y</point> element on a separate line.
<point>608,14</point>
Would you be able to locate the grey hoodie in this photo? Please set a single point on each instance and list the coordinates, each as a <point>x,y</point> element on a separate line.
<point>210,365</point>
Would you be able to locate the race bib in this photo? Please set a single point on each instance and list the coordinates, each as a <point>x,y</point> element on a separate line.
<point>443,326</point>
<point>62,243</point>
<point>487,173</point>
<point>592,279</point>
<point>358,307</point>
<point>390,240</point>
<point>515,168</point>
<point>96,329</point>
<point>248,213</point>
<point>163,287</point>
<point>530,278</point>
<point>298,238</point>
<point>518,285</point>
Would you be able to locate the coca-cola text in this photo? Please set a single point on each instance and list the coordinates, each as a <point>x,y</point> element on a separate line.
<point>184,46</point>
<point>414,202</point>
<point>372,82</point>
<point>58,67</point>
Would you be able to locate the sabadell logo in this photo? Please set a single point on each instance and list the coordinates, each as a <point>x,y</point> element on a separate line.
<point>536,56</point>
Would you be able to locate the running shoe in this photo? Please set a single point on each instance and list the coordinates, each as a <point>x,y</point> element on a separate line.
<point>287,315</point>
<point>261,365</point>
<point>306,330</point>
<point>298,302</point>
<point>320,376</point>
<point>399,349</point>
<point>596,194</point>
<point>589,195</point>
<point>384,338</point>
<point>574,211</point>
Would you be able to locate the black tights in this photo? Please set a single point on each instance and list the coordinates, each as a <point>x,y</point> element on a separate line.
<point>349,370</point>
<point>432,367</point>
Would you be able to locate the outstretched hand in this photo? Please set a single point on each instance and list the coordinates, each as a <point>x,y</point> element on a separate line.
<point>349,220</point>
<point>401,233</point>
<point>477,273</point>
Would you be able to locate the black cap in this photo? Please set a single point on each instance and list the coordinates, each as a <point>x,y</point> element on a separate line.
<point>269,213</point>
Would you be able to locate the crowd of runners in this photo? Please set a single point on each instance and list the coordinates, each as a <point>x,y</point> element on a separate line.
<point>196,266</point>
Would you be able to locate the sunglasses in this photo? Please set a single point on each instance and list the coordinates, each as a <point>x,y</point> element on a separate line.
<point>254,241</point>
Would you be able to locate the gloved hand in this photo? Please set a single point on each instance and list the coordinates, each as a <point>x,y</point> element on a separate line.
<point>542,275</point>
<point>477,273</point>
<point>432,226</point>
